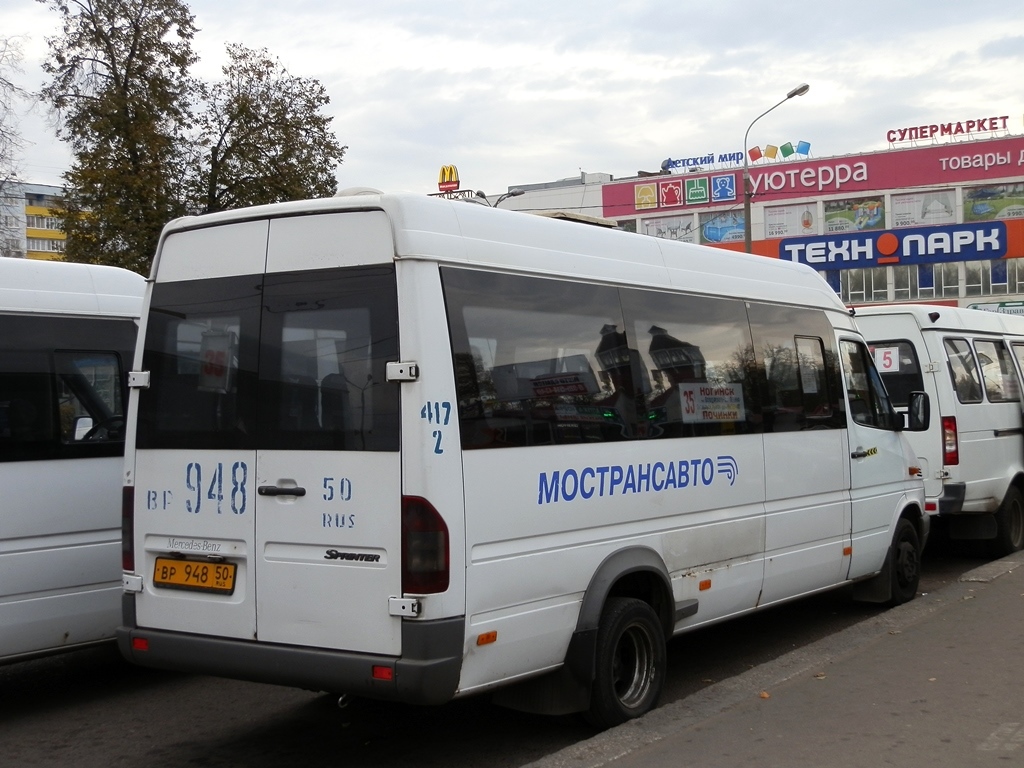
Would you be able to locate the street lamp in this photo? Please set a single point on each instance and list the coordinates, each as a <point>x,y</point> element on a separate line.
<point>514,192</point>
<point>800,90</point>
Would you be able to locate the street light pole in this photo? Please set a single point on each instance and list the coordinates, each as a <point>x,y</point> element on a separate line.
<point>514,192</point>
<point>800,90</point>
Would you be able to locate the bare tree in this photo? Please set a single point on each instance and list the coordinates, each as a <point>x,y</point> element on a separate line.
<point>10,144</point>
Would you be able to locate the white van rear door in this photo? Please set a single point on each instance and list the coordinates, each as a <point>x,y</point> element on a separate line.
<point>328,503</point>
<point>265,382</point>
<point>195,457</point>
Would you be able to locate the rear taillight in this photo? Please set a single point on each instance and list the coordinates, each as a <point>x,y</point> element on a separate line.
<point>424,548</point>
<point>128,528</point>
<point>950,443</point>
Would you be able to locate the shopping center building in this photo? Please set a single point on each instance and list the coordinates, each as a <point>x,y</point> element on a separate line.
<point>938,217</point>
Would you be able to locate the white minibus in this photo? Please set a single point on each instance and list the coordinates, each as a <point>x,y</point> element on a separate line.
<point>67,334</point>
<point>972,456</point>
<point>414,449</point>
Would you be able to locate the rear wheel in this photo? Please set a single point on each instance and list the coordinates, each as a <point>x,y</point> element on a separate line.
<point>1009,524</point>
<point>630,663</point>
<point>906,562</point>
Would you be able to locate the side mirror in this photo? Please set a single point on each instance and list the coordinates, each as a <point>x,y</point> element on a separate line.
<point>82,426</point>
<point>919,412</point>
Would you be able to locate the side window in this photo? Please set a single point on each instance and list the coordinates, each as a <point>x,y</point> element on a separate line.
<point>897,362</point>
<point>89,396</point>
<point>64,403</point>
<point>963,370</point>
<point>799,371</point>
<point>868,402</point>
<point>28,421</point>
<point>699,360</point>
<point>997,371</point>
<point>539,361</point>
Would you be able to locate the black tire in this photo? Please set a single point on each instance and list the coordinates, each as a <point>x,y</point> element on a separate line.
<point>906,563</point>
<point>1009,524</point>
<point>629,665</point>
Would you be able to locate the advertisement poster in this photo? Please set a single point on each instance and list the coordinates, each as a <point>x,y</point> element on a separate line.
<point>672,228</point>
<point>721,227</point>
<point>791,220</point>
<point>993,201</point>
<point>922,209</point>
<point>859,214</point>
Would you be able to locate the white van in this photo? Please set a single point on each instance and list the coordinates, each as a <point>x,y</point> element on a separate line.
<point>68,333</point>
<point>415,449</point>
<point>973,454</point>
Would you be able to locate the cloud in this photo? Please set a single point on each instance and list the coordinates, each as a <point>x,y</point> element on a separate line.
<point>527,91</point>
<point>1006,47</point>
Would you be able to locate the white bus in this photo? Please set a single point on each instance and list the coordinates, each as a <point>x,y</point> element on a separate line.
<point>416,449</point>
<point>972,456</point>
<point>67,334</point>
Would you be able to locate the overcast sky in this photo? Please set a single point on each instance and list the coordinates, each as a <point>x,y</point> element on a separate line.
<point>536,90</point>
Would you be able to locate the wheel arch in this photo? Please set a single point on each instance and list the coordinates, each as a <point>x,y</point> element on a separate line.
<point>636,572</point>
<point>878,588</point>
<point>1017,481</point>
<point>921,521</point>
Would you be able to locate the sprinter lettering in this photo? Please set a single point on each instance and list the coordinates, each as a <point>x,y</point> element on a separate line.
<point>646,477</point>
<point>362,557</point>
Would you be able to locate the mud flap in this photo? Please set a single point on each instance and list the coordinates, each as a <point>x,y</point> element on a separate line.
<point>561,692</point>
<point>877,589</point>
<point>556,693</point>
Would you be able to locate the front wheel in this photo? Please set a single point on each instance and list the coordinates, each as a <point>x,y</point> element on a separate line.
<point>1009,524</point>
<point>630,663</point>
<point>906,562</point>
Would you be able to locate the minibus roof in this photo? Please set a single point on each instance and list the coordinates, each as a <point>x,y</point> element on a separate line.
<point>59,288</point>
<point>935,316</point>
<point>473,235</point>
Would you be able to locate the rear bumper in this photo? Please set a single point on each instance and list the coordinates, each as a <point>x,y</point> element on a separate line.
<point>427,672</point>
<point>951,502</point>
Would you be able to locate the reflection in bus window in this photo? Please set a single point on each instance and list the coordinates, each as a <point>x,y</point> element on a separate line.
<point>869,403</point>
<point>800,370</point>
<point>997,371</point>
<point>540,362</point>
<point>963,370</point>
<point>699,356</point>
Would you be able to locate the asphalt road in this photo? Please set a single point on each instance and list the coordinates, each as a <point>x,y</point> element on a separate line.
<point>89,708</point>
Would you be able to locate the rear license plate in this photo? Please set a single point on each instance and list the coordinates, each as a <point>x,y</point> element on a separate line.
<point>195,575</point>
